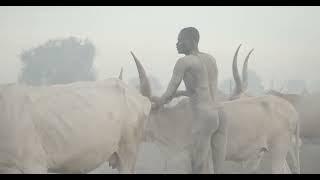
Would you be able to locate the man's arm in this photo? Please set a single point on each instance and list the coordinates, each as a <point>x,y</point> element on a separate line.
<point>177,76</point>
<point>178,93</point>
<point>213,84</point>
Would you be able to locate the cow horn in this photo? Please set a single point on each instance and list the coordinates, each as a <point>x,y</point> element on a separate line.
<point>236,75</point>
<point>245,72</point>
<point>120,75</point>
<point>144,81</point>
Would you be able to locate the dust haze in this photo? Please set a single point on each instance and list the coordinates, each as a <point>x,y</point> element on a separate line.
<point>94,43</point>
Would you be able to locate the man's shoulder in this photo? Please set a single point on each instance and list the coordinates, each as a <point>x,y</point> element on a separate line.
<point>185,58</point>
<point>208,56</point>
<point>183,61</point>
<point>192,57</point>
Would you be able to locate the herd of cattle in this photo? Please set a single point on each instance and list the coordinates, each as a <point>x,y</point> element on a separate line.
<point>77,127</point>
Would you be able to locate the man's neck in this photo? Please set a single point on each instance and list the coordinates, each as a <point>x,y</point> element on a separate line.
<point>194,51</point>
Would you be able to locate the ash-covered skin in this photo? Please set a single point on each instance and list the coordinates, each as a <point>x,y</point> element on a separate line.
<point>199,72</point>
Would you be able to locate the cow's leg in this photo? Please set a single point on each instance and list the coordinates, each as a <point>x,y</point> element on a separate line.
<point>127,158</point>
<point>293,159</point>
<point>219,144</point>
<point>279,150</point>
<point>286,168</point>
<point>114,161</point>
<point>255,163</point>
<point>278,162</point>
<point>166,164</point>
<point>124,170</point>
<point>128,150</point>
<point>125,164</point>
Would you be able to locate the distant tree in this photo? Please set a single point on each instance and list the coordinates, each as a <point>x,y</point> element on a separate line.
<point>58,61</point>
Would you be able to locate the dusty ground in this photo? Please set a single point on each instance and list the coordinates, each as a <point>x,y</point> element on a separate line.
<point>152,160</point>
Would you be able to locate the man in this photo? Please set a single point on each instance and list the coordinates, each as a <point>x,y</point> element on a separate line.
<point>199,73</point>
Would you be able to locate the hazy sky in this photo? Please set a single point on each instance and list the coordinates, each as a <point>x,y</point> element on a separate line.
<point>286,39</point>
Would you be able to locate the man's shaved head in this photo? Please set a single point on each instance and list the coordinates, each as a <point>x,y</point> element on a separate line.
<point>188,40</point>
<point>192,33</point>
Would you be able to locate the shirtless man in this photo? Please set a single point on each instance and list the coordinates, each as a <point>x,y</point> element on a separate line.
<point>199,73</point>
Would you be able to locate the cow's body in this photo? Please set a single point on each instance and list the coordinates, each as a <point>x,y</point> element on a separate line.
<point>258,124</point>
<point>251,128</point>
<point>71,128</point>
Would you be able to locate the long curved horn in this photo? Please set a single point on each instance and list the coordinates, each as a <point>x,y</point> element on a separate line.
<point>236,76</point>
<point>120,75</point>
<point>144,81</point>
<point>245,72</point>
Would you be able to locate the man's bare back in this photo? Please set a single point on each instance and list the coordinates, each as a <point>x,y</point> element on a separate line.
<point>200,77</point>
<point>199,73</point>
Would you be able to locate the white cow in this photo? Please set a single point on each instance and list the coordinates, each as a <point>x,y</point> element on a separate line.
<point>72,128</point>
<point>251,125</point>
<point>262,113</point>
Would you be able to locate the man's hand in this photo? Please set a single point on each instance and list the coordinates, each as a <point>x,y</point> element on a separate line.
<point>154,106</point>
<point>155,98</point>
<point>156,102</point>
